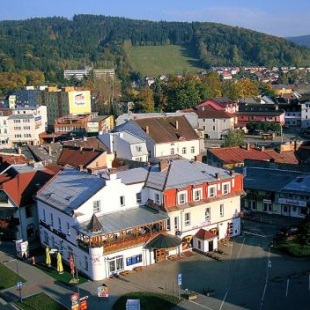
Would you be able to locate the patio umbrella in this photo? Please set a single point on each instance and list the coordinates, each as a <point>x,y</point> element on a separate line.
<point>47,257</point>
<point>162,241</point>
<point>60,268</point>
<point>71,263</point>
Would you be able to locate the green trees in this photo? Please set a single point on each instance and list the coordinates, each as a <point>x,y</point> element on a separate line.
<point>254,127</point>
<point>234,138</point>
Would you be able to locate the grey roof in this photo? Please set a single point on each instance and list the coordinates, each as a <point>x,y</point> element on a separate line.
<point>299,185</point>
<point>69,189</point>
<point>127,219</point>
<point>182,172</point>
<point>272,180</point>
<point>21,116</point>
<point>135,175</point>
<point>130,138</point>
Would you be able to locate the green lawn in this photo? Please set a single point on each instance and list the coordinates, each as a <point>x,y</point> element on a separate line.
<point>39,301</point>
<point>294,248</point>
<point>8,277</point>
<point>148,301</point>
<point>167,59</point>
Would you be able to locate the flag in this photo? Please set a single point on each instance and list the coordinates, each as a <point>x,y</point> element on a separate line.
<point>47,257</point>
<point>60,268</point>
<point>71,263</point>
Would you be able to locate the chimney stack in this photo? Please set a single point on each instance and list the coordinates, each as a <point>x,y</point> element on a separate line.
<point>248,146</point>
<point>217,175</point>
<point>177,125</point>
<point>163,164</point>
<point>147,129</point>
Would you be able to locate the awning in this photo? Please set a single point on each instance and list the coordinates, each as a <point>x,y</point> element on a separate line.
<point>162,241</point>
<point>205,235</point>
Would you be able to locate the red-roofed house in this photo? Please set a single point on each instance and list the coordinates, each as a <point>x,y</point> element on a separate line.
<point>18,185</point>
<point>223,104</point>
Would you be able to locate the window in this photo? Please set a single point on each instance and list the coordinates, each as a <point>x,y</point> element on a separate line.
<point>157,198</point>
<point>59,224</point>
<point>192,149</point>
<point>213,128</point>
<point>138,198</point>
<point>122,201</point>
<point>199,244</point>
<point>29,211</point>
<point>45,237</point>
<point>197,194</point>
<point>68,229</point>
<point>26,127</point>
<point>183,150</point>
<point>116,264</point>
<point>212,191</point>
<point>168,224</point>
<point>176,222</point>
<point>226,188</point>
<point>96,206</point>
<point>208,214</point>
<point>172,152</point>
<point>27,135</point>
<point>86,263</point>
<point>182,198</point>
<point>187,219</point>
<point>133,260</point>
<point>52,220</point>
<point>138,148</point>
<point>221,210</point>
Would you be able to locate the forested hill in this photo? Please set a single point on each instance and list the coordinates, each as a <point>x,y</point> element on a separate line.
<point>53,44</point>
<point>301,40</point>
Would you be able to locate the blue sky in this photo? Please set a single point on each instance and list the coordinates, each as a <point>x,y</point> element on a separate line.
<point>277,17</point>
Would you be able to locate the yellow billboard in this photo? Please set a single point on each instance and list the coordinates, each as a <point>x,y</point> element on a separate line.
<point>79,102</point>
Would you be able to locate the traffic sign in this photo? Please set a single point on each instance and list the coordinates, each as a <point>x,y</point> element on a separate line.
<point>179,279</point>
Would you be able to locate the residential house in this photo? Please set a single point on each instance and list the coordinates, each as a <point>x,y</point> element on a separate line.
<point>305,114</point>
<point>222,103</point>
<point>4,130</point>
<point>126,145</point>
<point>215,123</point>
<point>165,136</point>
<point>288,194</point>
<point>196,196</point>
<point>18,185</point>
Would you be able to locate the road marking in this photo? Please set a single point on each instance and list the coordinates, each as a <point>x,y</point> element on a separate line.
<point>266,281</point>
<point>257,235</point>
<point>223,301</point>
<point>202,306</point>
<point>287,285</point>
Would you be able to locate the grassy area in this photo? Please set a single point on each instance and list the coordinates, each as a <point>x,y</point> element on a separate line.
<point>294,248</point>
<point>39,301</point>
<point>62,278</point>
<point>167,59</point>
<point>148,301</point>
<point>8,277</point>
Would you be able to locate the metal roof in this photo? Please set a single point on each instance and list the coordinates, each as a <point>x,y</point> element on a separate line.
<point>300,185</point>
<point>272,180</point>
<point>127,219</point>
<point>135,175</point>
<point>181,173</point>
<point>69,189</point>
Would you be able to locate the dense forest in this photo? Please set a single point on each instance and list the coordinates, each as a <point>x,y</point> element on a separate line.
<point>47,46</point>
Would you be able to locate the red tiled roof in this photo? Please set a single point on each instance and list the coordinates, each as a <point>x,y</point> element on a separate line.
<point>90,142</point>
<point>168,129</point>
<point>205,235</point>
<point>235,155</point>
<point>77,157</point>
<point>14,159</point>
<point>211,113</point>
<point>23,186</point>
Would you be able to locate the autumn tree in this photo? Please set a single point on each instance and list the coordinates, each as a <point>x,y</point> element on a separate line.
<point>247,88</point>
<point>145,101</point>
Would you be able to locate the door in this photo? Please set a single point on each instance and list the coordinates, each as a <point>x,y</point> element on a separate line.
<point>160,255</point>
<point>210,245</point>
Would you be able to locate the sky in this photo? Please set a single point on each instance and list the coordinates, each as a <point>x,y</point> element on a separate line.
<point>283,18</point>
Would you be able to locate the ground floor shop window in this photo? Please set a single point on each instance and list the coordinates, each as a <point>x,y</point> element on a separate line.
<point>133,260</point>
<point>116,264</point>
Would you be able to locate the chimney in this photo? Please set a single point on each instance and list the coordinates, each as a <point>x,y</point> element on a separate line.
<point>177,125</point>
<point>147,129</point>
<point>19,150</point>
<point>49,150</point>
<point>263,149</point>
<point>248,146</point>
<point>198,158</point>
<point>217,175</point>
<point>163,164</point>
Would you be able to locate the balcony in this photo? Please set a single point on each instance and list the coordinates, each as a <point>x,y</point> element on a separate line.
<point>119,243</point>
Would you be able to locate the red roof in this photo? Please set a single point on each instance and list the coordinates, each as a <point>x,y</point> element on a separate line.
<point>24,186</point>
<point>235,155</point>
<point>14,159</point>
<point>211,113</point>
<point>205,235</point>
